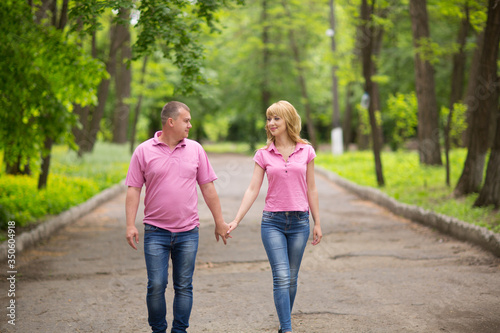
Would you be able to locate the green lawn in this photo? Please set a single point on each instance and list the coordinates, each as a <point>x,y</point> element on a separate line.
<point>72,181</point>
<point>409,182</point>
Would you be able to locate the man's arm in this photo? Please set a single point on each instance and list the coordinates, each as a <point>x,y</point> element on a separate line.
<point>212,200</point>
<point>131,207</point>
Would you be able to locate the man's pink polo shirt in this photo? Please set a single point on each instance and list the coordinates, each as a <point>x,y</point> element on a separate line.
<point>170,176</point>
<point>287,190</point>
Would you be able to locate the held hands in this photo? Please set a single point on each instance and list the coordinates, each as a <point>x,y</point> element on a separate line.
<point>233,225</point>
<point>222,230</point>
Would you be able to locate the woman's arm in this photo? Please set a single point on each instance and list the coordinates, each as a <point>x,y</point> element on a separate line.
<point>250,195</point>
<point>312,196</point>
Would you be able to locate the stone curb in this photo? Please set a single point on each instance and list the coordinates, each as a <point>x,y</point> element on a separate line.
<point>47,228</point>
<point>461,230</point>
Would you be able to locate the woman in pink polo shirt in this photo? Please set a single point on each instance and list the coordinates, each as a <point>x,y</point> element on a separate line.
<point>288,161</point>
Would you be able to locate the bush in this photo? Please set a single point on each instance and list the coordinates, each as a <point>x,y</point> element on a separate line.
<point>72,181</point>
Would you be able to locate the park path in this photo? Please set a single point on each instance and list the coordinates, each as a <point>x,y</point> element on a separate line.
<point>373,272</point>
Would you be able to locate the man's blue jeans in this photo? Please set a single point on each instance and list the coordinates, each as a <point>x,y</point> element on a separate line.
<point>285,235</point>
<point>159,245</point>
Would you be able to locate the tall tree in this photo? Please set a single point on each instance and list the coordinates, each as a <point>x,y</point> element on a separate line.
<point>171,27</point>
<point>337,135</point>
<point>138,105</point>
<point>265,70</point>
<point>490,193</point>
<point>428,112</point>
<point>370,45</point>
<point>42,72</point>
<point>486,97</point>
<point>123,78</point>
<point>457,82</point>
<point>301,77</point>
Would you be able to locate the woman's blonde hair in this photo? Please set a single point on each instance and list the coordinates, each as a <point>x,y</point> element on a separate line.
<point>286,111</point>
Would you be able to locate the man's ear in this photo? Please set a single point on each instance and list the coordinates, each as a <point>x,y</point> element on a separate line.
<point>170,122</point>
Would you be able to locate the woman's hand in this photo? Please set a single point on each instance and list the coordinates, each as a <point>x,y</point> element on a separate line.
<point>233,225</point>
<point>317,235</point>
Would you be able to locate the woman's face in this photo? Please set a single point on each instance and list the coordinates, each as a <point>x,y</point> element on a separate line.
<point>276,125</point>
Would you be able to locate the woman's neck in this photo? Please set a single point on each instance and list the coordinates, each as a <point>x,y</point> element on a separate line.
<point>283,141</point>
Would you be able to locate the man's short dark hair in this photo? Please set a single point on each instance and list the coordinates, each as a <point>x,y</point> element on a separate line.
<point>172,110</point>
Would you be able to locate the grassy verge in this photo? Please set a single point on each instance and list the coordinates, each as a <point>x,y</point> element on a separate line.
<point>72,181</point>
<point>409,182</point>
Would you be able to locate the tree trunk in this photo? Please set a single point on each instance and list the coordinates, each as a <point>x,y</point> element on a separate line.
<point>457,84</point>
<point>302,81</point>
<point>102,93</point>
<point>138,106</point>
<point>469,99</point>
<point>123,79</point>
<point>335,94</point>
<point>63,19</point>
<point>490,193</point>
<point>44,172</point>
<point>369,69</point>
<point>264,88</point>
<point>346,123</point>
<point>486,92</point>
<point>428,112</point>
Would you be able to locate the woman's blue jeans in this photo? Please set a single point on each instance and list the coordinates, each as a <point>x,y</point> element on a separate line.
<point>159,246</point>
<point>285,236</point>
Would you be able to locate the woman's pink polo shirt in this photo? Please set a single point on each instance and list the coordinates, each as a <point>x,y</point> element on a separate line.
<point>170,176</point>
<point>287,190</point>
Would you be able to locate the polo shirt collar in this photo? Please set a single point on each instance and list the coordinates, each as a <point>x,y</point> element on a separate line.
<point>157,142</point>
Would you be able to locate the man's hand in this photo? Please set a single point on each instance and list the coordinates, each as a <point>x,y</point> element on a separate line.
<point>132,235</point>
<point>221,229</point>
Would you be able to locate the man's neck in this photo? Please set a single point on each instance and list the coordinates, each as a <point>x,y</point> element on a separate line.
<point>168,140</point>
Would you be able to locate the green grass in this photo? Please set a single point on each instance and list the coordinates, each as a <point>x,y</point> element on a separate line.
<point>71,181</point>
<point>409,182</point>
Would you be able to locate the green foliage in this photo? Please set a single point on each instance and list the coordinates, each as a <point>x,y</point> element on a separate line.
<point>43,72</point>
<point>402,118</point>
<point>412,183</point>
<point>172,27</point>
<point>458,122</point>
<point>72,182</point>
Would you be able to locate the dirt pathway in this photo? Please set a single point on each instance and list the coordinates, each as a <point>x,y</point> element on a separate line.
<point>373,272</point>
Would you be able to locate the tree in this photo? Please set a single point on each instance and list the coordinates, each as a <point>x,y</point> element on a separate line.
<point>301,78</point>
<point>370,45</point>
<point>169,27</point>
<point>486,96</point>
<point>490,193</point>
<point>265,91</point>
<point>43,70</point>
<point>336,126</point>
<point>457,82</point>
<point>428,112</point>
<point>123,78</point>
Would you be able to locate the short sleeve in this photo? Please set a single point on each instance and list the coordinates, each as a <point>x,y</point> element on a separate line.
<point>311,154</point>
<point>135,174</point>
<point>206,173</point>
<point>259,159</point>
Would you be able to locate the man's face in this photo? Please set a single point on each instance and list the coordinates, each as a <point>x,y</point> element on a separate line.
<point>182,124</point>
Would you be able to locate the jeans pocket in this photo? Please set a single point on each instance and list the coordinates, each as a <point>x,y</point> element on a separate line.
<point>267,215</point>
<point>148,228</point>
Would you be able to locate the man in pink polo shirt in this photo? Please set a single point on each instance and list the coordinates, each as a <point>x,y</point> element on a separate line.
<point>170,165</point>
